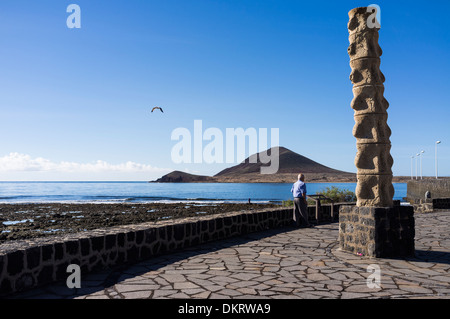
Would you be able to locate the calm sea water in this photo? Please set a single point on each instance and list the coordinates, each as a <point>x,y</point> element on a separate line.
<point>143,192</point>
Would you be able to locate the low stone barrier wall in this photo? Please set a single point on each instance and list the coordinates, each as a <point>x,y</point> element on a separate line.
<point>431,205</point>
<point>441,203</point>
<point>26,264</point>
<point>416,189</point>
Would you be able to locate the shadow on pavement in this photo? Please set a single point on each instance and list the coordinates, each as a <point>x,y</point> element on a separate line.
<point>100,280</point>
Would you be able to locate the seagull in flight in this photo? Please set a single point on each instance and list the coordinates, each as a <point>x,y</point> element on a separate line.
<point>157,108</point>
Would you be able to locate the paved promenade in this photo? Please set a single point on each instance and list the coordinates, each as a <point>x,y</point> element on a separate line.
<point>283,263</point>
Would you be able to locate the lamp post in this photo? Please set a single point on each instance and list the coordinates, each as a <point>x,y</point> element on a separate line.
<point>412,165</point>
<point>421,152</point>
<point>435,158</point>
<point>417,156</point>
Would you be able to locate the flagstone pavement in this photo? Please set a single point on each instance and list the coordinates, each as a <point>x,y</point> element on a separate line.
<point>280,263</point>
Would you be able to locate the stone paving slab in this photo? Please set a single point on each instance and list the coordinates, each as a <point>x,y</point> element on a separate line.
<point>283,263</point>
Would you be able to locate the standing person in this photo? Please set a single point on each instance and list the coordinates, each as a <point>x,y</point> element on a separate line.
<point>300,203</point>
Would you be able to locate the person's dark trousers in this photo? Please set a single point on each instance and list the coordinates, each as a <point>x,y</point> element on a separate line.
<point>300,213</point>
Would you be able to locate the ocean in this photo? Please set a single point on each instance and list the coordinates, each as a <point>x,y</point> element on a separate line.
<point>144,192</point>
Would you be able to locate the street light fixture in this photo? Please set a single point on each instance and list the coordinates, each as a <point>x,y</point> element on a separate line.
<point>417,156</point>
<point>435,158</point>
<point>421,177</point>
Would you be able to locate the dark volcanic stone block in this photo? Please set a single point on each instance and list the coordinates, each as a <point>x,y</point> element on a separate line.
<point>72,247</point>
<point>85,246</point>
<point>110,241</point>
<point>162,233</point>
<point>145,252</point>
<point>121,240</point>
<point>61,270</point>
<point>132,254</point>
<point>131,236</point>
<point>25,281</point>
<point>33,257</point>
<point>139,237</point>
<point>5,286</point>
<point>2,264</point>
<point>179,232</point>
<point>169,230</point>
<point>45,274</point>
<point>59,251</point>
<point>47,252</point>
<point>150,236</point>
<point>378,232</point>
<point>211,226</point>
<point>15,262</point>
<point>219,223</point>
<point>188,229</point>
<point>98,243</point>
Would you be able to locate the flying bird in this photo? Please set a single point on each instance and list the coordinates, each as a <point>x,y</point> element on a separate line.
<point>157,108</point>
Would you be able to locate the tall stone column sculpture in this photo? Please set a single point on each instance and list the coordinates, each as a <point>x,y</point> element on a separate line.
<point>373,158</point>
<point>374,227</point>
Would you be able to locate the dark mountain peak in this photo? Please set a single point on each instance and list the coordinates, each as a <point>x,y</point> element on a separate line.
<point>289,162</point>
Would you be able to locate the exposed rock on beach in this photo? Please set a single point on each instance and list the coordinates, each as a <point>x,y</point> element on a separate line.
<point>23,221</point>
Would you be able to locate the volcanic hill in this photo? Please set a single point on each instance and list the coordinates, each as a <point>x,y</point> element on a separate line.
<point>290,165</point>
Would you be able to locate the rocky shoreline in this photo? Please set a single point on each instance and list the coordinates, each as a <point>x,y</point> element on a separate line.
<point>25,221</point>
<point>181,177</point>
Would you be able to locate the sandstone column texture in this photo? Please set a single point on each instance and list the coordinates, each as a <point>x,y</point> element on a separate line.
<point>373,159</point>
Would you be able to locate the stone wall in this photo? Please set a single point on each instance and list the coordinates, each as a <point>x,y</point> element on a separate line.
<point>377,231</point>
<point>26,264</point>
<point>431,205</point>
<point>441,203</point>
<point>417,188</point>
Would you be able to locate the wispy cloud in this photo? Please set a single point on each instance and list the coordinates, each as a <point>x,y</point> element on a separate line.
<point>16,162</point>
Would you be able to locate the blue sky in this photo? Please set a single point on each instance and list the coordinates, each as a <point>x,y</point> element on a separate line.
<point>75,103</point>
